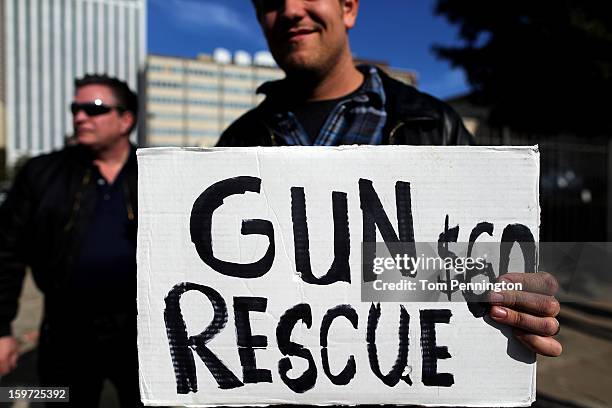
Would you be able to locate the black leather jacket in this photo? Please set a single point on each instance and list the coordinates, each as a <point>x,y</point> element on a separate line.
<point>43,220</point>
<point>413,118</point>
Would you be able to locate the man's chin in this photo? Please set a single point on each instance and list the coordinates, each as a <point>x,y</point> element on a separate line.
<point>86,141</point>
<point>294,60</point>
<point>298,66</point>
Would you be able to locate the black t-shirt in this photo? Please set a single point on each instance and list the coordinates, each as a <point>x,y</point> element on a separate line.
<point>312,115</point>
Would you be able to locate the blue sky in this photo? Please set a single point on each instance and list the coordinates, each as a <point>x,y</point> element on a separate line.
<point>400,32</point>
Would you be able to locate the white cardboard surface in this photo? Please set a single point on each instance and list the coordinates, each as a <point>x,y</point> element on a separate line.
<point>470,184</point>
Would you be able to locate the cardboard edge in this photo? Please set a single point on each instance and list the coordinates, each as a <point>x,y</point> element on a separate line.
<point>147,151</point>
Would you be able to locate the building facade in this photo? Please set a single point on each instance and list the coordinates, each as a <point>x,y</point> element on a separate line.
<point>49,43</point>
<point>191,101</point>
<point>2,98</point>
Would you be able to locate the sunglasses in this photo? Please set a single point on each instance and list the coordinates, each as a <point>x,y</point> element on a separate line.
<point>93,109</point>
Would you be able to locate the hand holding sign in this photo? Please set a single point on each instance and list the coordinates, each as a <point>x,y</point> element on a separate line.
<point>9,352</point>
<point>531,312</point>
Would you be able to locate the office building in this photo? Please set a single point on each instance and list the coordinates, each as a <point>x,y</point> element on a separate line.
<point>191,101</point>
<point>2,97</point>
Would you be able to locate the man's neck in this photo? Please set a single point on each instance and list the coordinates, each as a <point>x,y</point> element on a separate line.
<point>110,161</point>
<point>340,80</point>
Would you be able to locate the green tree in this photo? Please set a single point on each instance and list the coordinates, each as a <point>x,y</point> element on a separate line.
<point>540,65</point>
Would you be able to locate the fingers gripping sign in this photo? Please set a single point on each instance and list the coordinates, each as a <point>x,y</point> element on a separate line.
<point>531,312</point>
<point>9,352</point>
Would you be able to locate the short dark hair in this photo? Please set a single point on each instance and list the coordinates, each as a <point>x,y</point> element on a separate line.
<point>126,98</point>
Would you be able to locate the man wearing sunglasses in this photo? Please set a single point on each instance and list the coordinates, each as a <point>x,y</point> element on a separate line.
<point>326,100</point>
<point>71,217</point>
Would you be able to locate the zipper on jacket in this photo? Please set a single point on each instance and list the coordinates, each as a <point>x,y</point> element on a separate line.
<point>128,201</point>
<point>410,121</point>
<point>273,141</point>
<point>78,197</point>
<point>394,131</point>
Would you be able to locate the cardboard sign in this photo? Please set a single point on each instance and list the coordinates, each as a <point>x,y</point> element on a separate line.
<point>249,275</point>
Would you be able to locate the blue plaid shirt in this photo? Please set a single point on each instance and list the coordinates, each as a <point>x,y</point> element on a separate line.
<point>359,119</point>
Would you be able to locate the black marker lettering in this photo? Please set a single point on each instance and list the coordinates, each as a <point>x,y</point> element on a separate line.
<point>374,215</point>
<point>201,227</point>
<point>397,371</point>
<point>521,234</point>
<point>431,352</point>
<point>477,304</point>
<point>283,337</point>
<point>247,343</point>
<point>181,346</point>
<point>340,269</point>
<point>349,370</point>
<point>449,235</point>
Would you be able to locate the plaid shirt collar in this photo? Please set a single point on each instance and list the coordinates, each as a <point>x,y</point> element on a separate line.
<point>358,119</point>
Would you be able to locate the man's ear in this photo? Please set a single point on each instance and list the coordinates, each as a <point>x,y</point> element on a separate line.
<point>349,12</point>
<point>127,121</point>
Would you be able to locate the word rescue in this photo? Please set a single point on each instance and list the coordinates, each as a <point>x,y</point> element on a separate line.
<point>182,346</point>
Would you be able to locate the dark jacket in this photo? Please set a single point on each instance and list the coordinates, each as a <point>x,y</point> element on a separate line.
<point>43,219</point>
<point>413,118</point>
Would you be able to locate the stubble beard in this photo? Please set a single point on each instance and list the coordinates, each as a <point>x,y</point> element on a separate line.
<point>311,66</point>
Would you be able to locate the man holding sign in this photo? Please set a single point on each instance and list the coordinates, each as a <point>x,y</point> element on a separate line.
<point>326,101</point>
